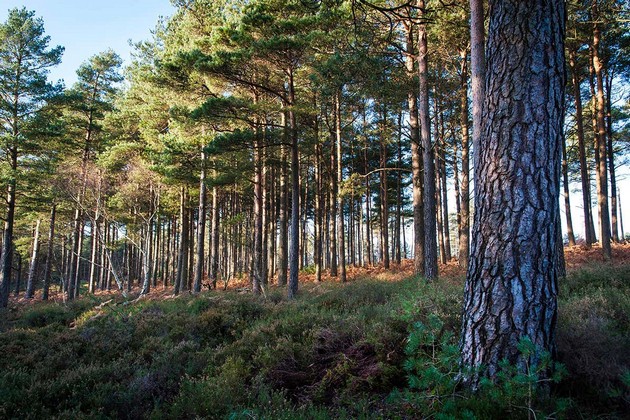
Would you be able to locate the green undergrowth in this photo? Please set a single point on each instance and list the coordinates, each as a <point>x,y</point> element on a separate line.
<point>367,349</point>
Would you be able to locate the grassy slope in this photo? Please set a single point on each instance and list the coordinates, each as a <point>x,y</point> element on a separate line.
<point>338,351</point>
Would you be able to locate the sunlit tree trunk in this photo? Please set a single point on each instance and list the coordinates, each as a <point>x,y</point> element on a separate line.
<point>511,284</point>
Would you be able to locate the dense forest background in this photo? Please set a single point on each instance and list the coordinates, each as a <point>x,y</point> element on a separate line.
<point>252,144</point>
<point>243,128</point>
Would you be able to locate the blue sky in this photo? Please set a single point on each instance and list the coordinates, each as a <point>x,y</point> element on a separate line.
<point>87,27</point>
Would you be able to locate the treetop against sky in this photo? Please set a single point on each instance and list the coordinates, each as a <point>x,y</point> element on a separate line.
<point>86,28</point>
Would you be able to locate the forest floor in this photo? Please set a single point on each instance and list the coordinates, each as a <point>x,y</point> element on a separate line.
<point>383,345</point>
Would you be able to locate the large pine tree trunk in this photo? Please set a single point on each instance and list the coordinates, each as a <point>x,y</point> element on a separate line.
<point>511,285</point>
<point>30,283</point>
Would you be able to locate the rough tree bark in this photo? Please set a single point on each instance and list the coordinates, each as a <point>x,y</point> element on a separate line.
<point>511,284</point>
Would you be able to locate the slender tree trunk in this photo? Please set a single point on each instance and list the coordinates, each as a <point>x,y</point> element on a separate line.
<point>76,280</point>
<point>191,247</point>
<point>430,233</point>
<point>567,202</point>
<point>30,283</point>
<point>283,238</point>
<point>464,187</point>
<point>442,174</point>
<point>6,258</point>
<point>180,280</point>
<point>318,212</point>
<point>49,252</point>
<point>294,245</point>
<point>384,196</point>
<point>589,230</point>
<point>146,256</point>
<point>93,255</point>
<point>214,248</point>
<point>511,285</point>
<point>265,217</point>
<point>611,161</point>
<point>623,236</point>
<point>398,194</point>
<point>416,156</point>
<point>201,226</point>
<point>257,255</point>
<point>18,274</point>
<point>332,197</point>
<point>438,203</point>
<point>602,170</point>
<point>339,174</point>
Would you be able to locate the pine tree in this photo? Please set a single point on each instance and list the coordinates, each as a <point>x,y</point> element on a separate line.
<point>24,62</point>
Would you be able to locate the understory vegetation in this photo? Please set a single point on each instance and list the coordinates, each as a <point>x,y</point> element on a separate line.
<point>368,349</point>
